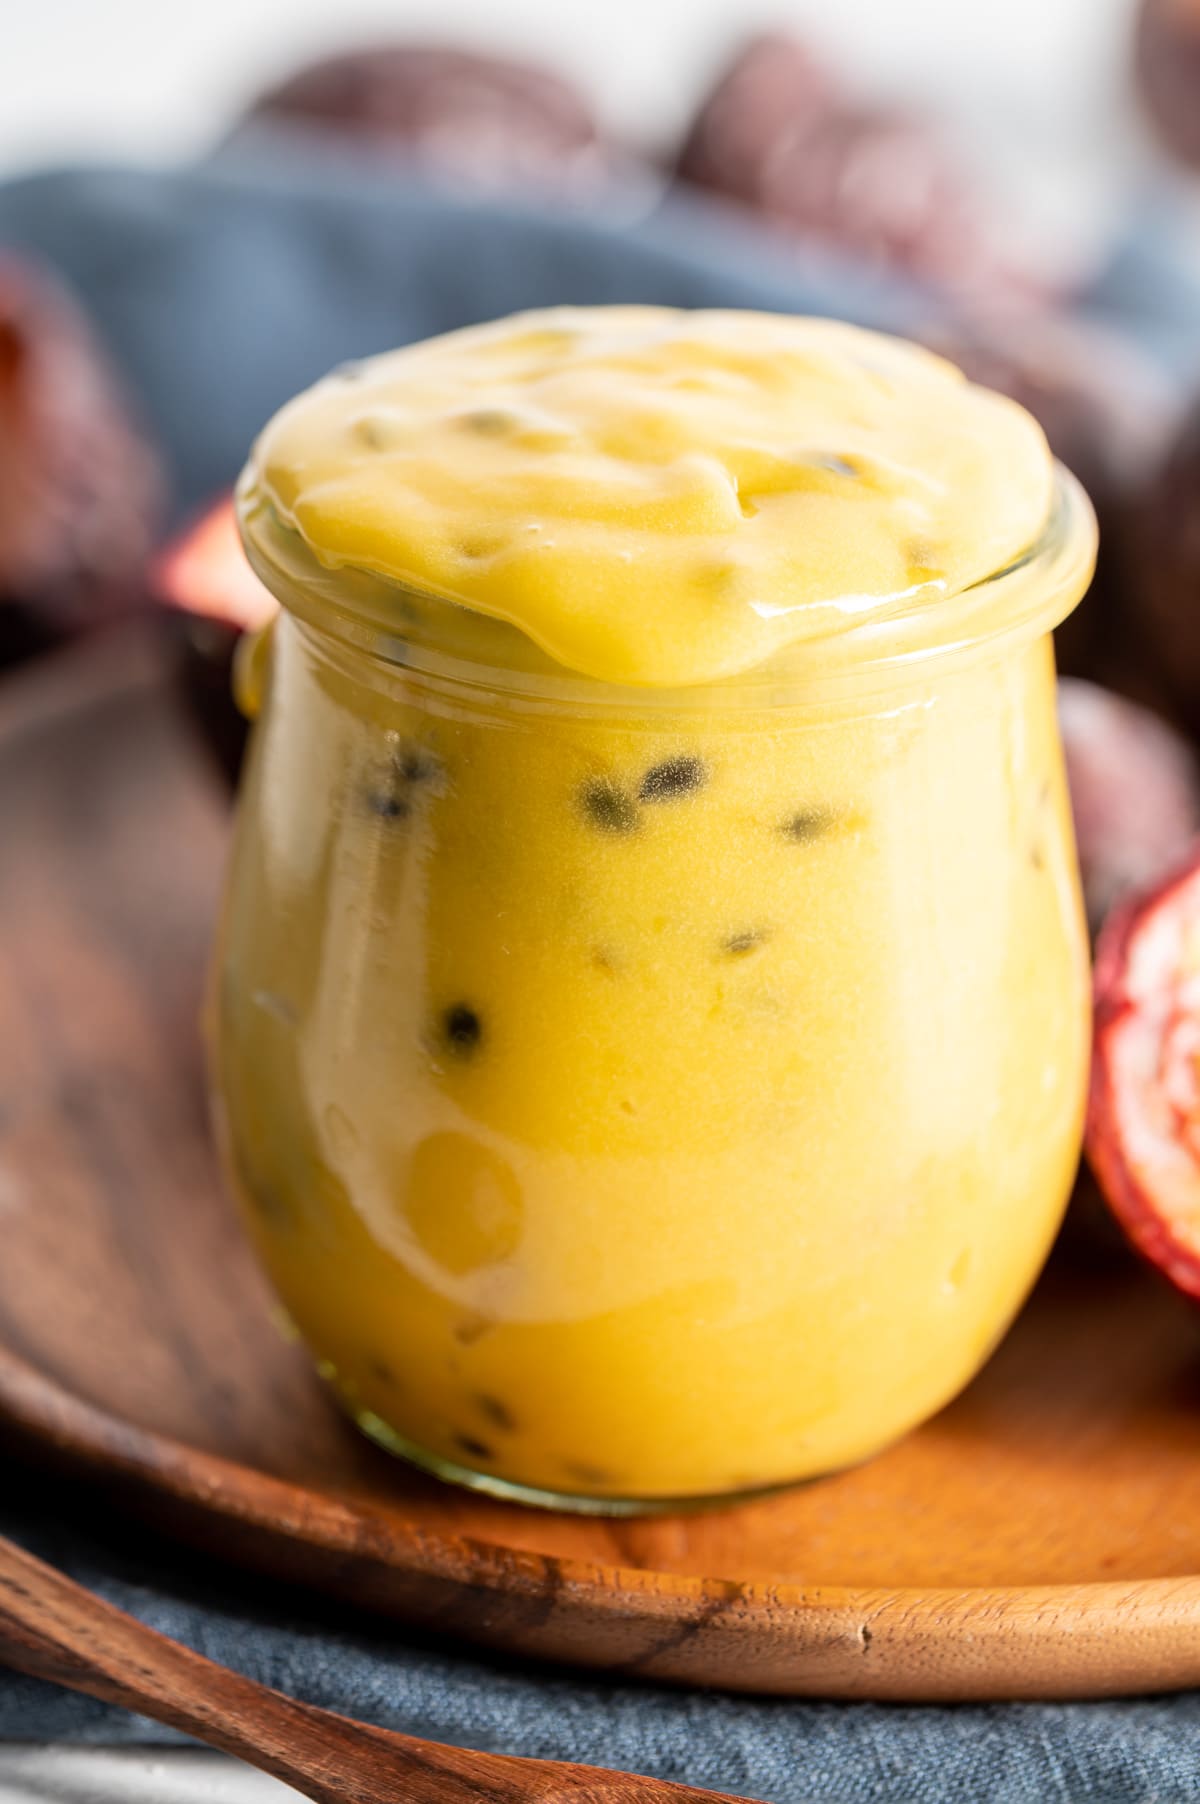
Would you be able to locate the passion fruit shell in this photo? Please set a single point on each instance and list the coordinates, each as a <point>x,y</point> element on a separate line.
<point>1143,1124</point>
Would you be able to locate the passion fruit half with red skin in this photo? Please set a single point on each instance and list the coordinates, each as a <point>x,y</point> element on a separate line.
<point>203,579</point>
<point>1143,1125</point>
<point>204,571</point>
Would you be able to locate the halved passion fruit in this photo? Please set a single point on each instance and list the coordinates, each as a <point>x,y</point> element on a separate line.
<point>1143,1129</point>
<point>203,578</point>
<point>204,572</point>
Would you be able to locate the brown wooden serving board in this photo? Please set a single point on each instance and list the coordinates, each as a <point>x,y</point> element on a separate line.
<point>1040,1538</point>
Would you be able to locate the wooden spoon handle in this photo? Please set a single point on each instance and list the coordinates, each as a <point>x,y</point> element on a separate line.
<point>54,1629</point>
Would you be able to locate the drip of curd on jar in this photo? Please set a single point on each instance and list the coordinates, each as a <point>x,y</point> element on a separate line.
<point>655,496</point>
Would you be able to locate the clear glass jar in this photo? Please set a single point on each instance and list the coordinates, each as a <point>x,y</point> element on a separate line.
<point>643,1097</point>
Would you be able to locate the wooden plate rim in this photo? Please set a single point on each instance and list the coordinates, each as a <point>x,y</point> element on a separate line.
<point>1018,1635</point>
<point>1080,1640</point>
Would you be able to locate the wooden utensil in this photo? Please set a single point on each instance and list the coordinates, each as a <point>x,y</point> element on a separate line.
<point>54,1629</point>
<point>1041,1537</point>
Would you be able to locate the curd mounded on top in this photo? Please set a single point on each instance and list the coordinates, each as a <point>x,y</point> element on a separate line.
<point>651,1020</point>
<point>658,497</point>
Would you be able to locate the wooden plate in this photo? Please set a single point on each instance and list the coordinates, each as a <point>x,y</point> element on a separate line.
<point>1040,1538</point>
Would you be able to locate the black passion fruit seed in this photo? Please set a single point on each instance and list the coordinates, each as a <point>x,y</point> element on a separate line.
<point>497,1412</point>
<point>608,806</point>
<point>583,1472</point>
<point>473,1447</point>
<point>388,802</point>
<point>471,1328</point>
<point>673,778</point>
<point>390,794</point>
<point>416,765</point>
<point>808,824</point>
<point>462,1029</point>
<point>371,433</point>
<point>488,422</point>
<point>748,939</point>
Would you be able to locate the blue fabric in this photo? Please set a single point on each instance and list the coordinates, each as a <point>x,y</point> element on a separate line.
<point>1151,279</point>
<point>221,291</point>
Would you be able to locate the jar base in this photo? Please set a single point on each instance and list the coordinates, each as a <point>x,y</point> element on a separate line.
<point>574,1502</point>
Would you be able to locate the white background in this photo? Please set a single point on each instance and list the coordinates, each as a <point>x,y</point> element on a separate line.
<point>156,79</point>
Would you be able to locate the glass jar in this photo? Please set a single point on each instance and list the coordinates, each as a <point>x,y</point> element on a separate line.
<point>640,1097</point>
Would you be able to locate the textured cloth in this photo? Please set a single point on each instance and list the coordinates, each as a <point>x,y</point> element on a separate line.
<point>221,291</point>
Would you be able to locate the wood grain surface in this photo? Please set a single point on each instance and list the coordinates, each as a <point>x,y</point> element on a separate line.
<point>54,1629</point>
<point>1040,1538</point>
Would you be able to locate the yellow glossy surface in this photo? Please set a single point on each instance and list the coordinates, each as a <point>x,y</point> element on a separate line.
<point>644,1094</point>
<point>654,496</point>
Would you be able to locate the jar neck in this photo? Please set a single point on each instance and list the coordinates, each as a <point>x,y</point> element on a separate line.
<point>385,628</point>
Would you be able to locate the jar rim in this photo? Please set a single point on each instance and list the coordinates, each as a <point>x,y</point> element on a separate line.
<point>406,627</point>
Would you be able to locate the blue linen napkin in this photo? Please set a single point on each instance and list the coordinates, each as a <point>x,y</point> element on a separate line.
<point>221,291</point>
